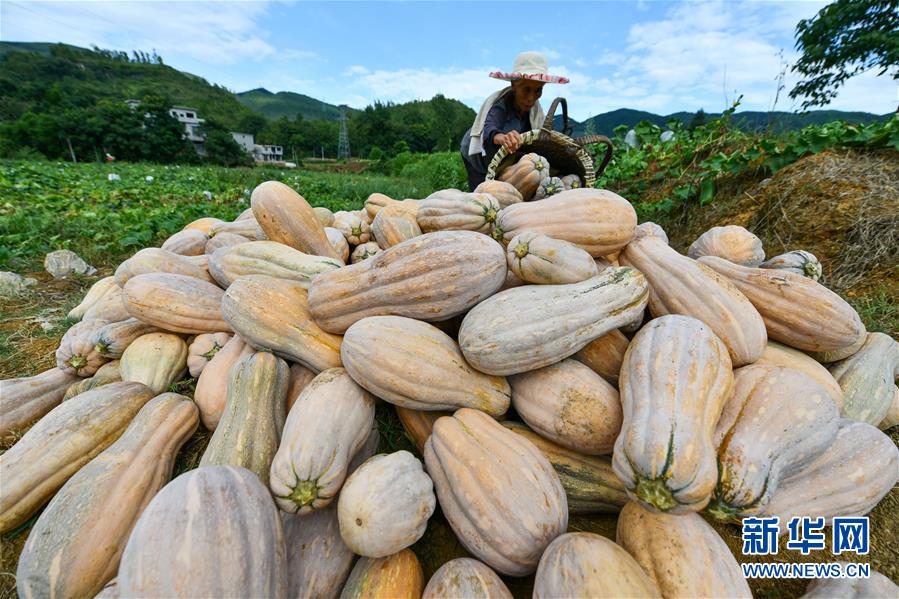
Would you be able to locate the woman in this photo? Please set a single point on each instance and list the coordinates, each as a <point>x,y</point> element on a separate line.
<point>506,114</point>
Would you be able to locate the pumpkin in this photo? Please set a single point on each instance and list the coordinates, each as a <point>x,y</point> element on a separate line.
<point>211,393</point>
<point>665,455</point>
<point>650,228</point>
<point>248,228</point>
<point>538,325</point>
<point>465,577</point>
<point>250,428</point>
<point>339,243</point>
<point>88,522</point>
<point>892,417</point>
<point>526,174</point>
<point>378,201</point>
<point>589,482</point>
<point>569,404</point>
<point>175,303</point>
<point>425,278</point>
<point>76,353</point>
<point>571,182</point>
<point>110,591</point>
<point>93,295</point>
<point>364,252</point>
<point>394,225</point>
<point>224,240</point>
<point>849,478</point>
<point>787,357</point>
<point>798,262</point>
<point>353,228</point>
<point>538,259</point>
<point>156,360</point>
<point>596,220</point>
<point>286,217</point>
<point>875,585</point>
<point>300,376</point>
<point>680,285</point>
<point>189,242</point>
<point>247,212</point>
<point>203,224</point>
<point>384,506</point>
<point>312,459</point>
<point>27,399</point>
<point>504,193</point>
<point>797,311</point>
<point>828,357</point>
<point>267,258</point>
<point>324,216</point>
<point>866,378</point>
<point>203,349</point>
<point>158,260</point>
<point>111,340</point>
<point>377,352</point>
<point>604,355</point>
<point>289,331</point>
<point>660,542</point>
<point>454,210</point>
<point>583,564</point>
<point>796,419</point>
<point>418,424</point>
<point>482,473</point>
<point>65,439</point>
<point>731,242</point>
<point>397,576</point>
<point>548,187</point>
<point>111,307</point>
<point>87,384</point>
<point>211,532</point>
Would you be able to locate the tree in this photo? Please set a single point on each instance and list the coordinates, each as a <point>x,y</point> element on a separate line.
<point>844,39</point>
<point>698,120</point>
<point>221,147</point>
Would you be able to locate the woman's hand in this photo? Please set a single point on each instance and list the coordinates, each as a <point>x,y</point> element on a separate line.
<point>511,140</point>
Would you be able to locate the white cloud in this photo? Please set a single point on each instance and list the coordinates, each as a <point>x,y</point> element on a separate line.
<point>356,69</point>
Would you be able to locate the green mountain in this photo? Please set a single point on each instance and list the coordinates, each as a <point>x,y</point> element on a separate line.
<point>289,104</point>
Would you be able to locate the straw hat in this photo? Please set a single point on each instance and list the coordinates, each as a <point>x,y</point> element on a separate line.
<point>530,65</point>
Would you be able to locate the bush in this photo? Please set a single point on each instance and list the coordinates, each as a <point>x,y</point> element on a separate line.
<point>441,170</point>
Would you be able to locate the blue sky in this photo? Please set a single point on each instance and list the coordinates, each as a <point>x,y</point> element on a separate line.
<point>660,56</point>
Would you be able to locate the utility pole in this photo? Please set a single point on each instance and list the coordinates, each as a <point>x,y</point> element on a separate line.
<point>343,140</point>
<point>71,151</point>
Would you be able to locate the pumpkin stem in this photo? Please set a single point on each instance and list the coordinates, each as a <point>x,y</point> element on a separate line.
<point>77,362</point>
<point>490,215</point>
<point>521,250</point>
<point>304,493</point>
<point>497,234</point>
<point>211,353</point>
<point>101,347</point>
<point>655,493</point>
<point>721,510</point>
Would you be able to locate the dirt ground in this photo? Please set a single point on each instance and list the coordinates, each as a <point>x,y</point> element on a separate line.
<point>841,206</point>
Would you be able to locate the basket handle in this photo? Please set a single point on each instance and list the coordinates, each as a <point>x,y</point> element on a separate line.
<point>548,121</point>
<point>598,139</point>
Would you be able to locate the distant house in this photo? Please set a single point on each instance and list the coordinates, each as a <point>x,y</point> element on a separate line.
<point>261,152</point>
<point>193,126</point>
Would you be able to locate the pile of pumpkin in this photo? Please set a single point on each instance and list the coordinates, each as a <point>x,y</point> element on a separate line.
<point>747,388</point>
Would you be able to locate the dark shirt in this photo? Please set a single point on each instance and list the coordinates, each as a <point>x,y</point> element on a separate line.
<point>501,118</point>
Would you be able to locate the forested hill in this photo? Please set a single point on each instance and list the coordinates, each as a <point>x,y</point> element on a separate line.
<point>289,104</point>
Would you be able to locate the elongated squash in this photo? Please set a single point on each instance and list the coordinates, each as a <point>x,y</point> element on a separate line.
<point>110,307</point>
<point>88,522</point>
<point>55,448</point>
<point>892,417</point>
<point>505,193</point>
<point>526,174</point>
<point>604,355</point>
<point>93,295</point>
<point>377,352</point>
<point>454,210</point>
<point>431,277</point>
<point>418,424</point>
<point>483,472</point>
<point>398,576</point>
<point>158,260</point>
<point>568,403</point>
<point>211,532</point>
<point>156,360</point>
<point>528,327</point>
<point>352,226</point>
<point>797,311</point>
<point>596,220</point>
<point>583,564</point>
<point>202,349</point>
<point>548,187</point>
<point>393,225</point>
<point>324,215</point>
<point>675,379</point>
<point>189,242</point>
<point>465,577</point>
<point>732,243</point>
<point>829,357</point>
<point>798,262</point>
<point>866,379</point>
<point>682,554</point>
<point>787,357</point>
<point>680,285</point>
<point>541,260</point>
<point>300,376</point>
<point>848,479</point>
<point>76,353</point>
<point>286,217</point>
<point>87,384</point>
<point>250,428</point>
<point>876,585</point>
<point>796,419</point>
<point>27,399</point>
<point>111,340</point>
<point>224,240</point>
<point>378,201</point>
<point>211,393</point>
<point>203,224</point>
<point>325,428</point>
<point>175,303</point>
<point>364,251</point>
<point>339,243</point>
<point>245,227</point>
<point>589,481</point>
<point>289,331</point>
<point>268,258</point>
<point>651,228</point>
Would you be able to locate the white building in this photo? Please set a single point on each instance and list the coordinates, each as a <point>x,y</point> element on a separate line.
<point>193,126</point>
<point>260,152</point>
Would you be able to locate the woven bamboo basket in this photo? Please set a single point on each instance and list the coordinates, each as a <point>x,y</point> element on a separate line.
<point>566,156</point>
